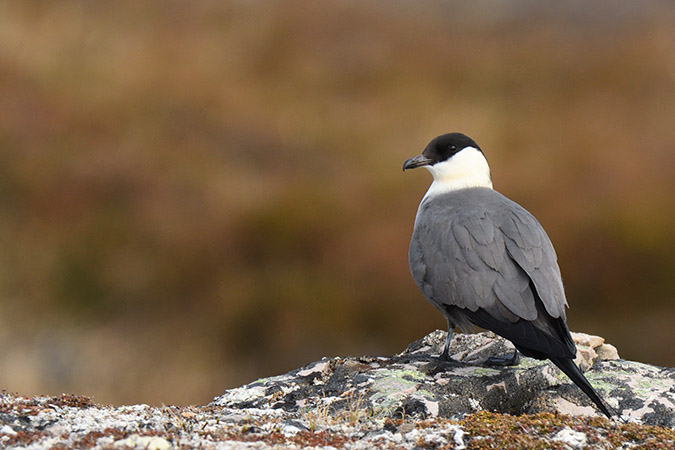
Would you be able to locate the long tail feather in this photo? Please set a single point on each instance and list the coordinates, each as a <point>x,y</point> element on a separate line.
<point>571,370</point>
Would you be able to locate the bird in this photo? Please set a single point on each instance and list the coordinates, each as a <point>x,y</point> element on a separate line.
<point>483,260</point>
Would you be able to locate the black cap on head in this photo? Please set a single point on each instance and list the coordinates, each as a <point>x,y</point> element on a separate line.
<point>440,149</point>
<point>446,145</point>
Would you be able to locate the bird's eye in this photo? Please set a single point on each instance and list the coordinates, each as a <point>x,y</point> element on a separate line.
<point>452,147</point>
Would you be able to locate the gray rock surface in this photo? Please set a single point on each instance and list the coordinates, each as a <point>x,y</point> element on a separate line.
<point>417,383</point>
<point>407,401</point>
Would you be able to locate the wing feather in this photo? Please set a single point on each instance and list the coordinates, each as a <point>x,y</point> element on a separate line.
<point>529,246</point>
<point>485,253</point>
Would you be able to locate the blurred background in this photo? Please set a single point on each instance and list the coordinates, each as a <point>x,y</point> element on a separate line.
<point>194,195</point>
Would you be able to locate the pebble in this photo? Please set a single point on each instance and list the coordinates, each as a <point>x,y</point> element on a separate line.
<point>607,352</point>
<point>587,339</point>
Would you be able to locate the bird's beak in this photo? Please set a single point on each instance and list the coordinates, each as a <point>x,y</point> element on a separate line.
<point>416,161</point>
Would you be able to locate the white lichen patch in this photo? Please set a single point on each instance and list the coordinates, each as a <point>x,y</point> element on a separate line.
<point>241,395</point>
<point>457,436</point>
<point>144,442</point>
<point>475,404</point>
<point>572,439</point>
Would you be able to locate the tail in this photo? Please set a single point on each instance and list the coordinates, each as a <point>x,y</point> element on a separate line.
<point>572,371</point>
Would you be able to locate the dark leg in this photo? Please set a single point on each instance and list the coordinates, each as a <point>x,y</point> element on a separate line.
<point>503,361</point>
<point>445,356</point>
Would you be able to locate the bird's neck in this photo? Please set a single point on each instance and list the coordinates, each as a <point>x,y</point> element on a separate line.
<point>466,169</point>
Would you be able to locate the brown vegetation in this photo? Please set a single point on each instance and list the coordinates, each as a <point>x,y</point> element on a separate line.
<point>195,195</point>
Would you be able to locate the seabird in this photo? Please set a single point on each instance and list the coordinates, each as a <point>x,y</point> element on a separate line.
<point>482,259</point>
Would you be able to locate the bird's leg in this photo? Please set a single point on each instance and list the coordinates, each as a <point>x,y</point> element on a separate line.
<point>445,356</point>
<point>503,361</point>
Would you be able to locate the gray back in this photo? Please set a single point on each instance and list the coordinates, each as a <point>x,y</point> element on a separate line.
<point>475,248</point>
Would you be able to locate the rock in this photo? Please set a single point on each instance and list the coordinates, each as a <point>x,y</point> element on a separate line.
<point>587,340</point>
<point>407,401</point>
<point>585,357</point>
<point>416,383</point>
<point>607,352</point>
<point>590,348</point>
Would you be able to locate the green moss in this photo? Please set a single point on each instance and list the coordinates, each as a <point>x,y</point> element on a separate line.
<point>528,363</point>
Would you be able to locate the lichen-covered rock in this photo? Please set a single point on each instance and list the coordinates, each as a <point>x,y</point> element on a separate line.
<point>408,401</point>
<point>415,382</point>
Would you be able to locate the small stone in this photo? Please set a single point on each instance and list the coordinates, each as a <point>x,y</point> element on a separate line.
<point>585,357</point>
<point>607,352</point>
<point>319,367</point>
<point>587,339</point>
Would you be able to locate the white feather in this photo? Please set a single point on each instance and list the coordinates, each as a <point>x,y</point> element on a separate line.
<point>467,168</point>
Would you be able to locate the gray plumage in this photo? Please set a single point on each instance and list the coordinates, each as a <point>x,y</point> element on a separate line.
<point>476,249</point>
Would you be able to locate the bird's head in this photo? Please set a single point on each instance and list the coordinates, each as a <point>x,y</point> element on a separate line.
<point>455,161</point>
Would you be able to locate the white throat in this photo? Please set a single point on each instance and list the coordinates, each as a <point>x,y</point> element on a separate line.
<point>467,168</point>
